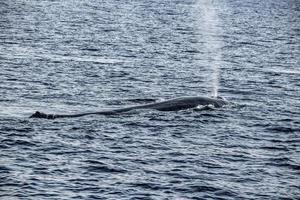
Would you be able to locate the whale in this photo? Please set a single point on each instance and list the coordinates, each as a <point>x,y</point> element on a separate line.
<point>175,104</point>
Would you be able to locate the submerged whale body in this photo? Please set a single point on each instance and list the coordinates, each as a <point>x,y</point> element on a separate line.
<point>168,105</point>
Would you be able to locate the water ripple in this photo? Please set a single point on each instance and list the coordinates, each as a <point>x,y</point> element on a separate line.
<point>77,56</point>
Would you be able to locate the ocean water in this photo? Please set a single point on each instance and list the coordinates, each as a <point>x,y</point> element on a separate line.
<point>78,56</point>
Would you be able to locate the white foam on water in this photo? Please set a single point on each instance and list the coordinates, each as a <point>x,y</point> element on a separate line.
<point>86,59</point>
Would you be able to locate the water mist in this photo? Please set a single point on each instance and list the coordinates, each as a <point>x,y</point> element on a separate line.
<point>211,32</point>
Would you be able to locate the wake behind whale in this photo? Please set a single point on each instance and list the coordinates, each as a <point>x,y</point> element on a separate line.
<point>168,105</point>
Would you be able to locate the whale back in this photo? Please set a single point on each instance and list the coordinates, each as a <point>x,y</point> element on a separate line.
<point>168,105</point>
<point>184,103</point>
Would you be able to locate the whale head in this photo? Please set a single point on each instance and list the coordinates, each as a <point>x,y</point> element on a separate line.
<point>219,101</point>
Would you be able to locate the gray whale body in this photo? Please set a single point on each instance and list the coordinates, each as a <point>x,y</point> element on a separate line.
<point>168,105</point>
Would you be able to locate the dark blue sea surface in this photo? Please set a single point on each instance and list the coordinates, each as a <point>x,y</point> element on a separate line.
<point>79,56</point>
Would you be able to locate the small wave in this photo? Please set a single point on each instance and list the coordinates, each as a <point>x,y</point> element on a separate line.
<point>98,60</point>
<point>4,169</point>
<point>203,188</point>
<point>18,130</point>
<point>282,71</point>
<point>101,167</point>
<point>105,169</point>
<point>149,185</point>
<point>280,148</point>
<point>17,142</point>
<point>284,163</point>
<point>282,129</point>
<point>90,49</point>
